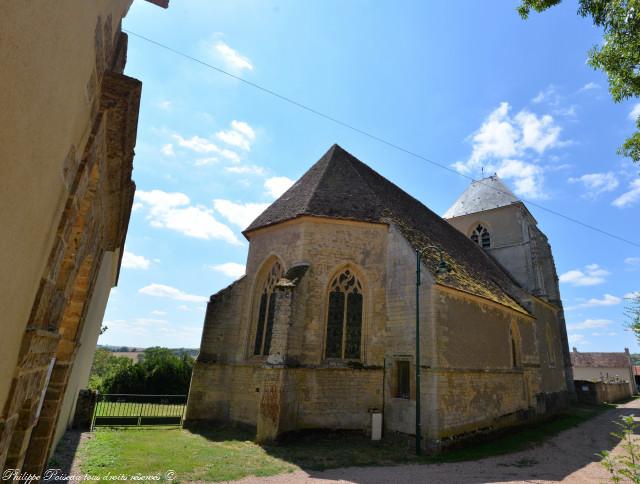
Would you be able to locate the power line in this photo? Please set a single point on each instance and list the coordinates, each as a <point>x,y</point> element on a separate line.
<point>373,136</point>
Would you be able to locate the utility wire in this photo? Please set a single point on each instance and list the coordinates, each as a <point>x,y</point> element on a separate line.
<point>374,137</point>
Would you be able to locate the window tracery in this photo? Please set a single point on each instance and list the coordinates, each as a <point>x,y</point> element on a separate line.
<point>266,311</point>
<point>481,236</point>
<point>344,317</point>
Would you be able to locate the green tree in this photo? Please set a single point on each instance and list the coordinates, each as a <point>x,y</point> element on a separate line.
<point>618,55</point>
<point>632,312</point>
<point>105,364</point>
<point>160,371</point>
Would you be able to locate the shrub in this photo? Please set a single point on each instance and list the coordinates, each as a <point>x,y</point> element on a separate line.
<point>625,466</point>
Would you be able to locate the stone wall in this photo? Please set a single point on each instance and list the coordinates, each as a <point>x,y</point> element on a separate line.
<point>597,392</point>
<point>472,379</point>
<point>84,408</point>
<point>70,118</point>
<point>606,374</point>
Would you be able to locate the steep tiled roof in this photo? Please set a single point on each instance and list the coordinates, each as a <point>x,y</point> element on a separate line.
<point>599,360</point>
<point>482,195</point>
<point>340,186</point>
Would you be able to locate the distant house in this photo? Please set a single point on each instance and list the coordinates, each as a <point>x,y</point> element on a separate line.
<point>606,367</point>
<point>636,375</point>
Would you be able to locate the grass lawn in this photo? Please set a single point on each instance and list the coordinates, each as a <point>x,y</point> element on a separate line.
<point>228,453</point>
<point>229,456</point>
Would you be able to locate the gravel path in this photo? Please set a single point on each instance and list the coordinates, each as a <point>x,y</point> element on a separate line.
<point>568,457</point>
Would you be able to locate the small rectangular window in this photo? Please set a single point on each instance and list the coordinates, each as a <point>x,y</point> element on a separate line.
<point>403,383</point>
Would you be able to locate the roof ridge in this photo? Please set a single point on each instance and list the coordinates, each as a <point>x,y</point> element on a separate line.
<point>338,151</point>
<point>341,186</point>
<point>329,156</point>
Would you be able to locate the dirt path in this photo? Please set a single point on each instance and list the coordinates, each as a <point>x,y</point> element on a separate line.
<point>568,457</point>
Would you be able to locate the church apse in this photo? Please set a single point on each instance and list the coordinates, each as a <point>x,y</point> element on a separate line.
<point>321,330</point>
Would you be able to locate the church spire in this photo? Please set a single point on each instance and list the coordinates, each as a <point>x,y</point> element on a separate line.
<point>482,195</point>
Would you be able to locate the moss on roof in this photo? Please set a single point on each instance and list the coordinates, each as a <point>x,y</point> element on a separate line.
<point>341,186</point>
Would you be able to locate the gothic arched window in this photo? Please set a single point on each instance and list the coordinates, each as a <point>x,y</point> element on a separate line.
<point>481,236</point>
<point>344,317</point>
<point>515,356</point>
<point>267,311</point>
<point>550,348</point>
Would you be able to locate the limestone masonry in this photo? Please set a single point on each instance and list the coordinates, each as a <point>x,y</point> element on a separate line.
<point>321,330</point>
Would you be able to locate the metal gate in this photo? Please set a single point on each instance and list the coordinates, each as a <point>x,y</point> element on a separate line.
<point>120,410</point>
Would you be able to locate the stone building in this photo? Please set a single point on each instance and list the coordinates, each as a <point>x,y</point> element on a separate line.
<point>68,127</point>
<point>604,367</point>
<point>321,329</point>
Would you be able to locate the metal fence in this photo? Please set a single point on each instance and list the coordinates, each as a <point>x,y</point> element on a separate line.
<point>125,410</point>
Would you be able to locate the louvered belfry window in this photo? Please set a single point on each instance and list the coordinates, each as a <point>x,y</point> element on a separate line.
<point>344,317</point>
<point>481,236</point>
<point>267,311</point>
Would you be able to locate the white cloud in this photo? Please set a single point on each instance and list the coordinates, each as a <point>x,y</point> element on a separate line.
<point>497,137</point>
<point>167,150</point>
<point>241,135</point>
<point>240,214</point>
<point>597,183</point>
<point>136,206</point>
<point>590,324</point>
<point>630,197</point>
<point>196,222</point>
<point>210,160</point>
<point>634,261</point>
<point>511,145</point>
<point>548,96</point>
<point>174,211</point>
<point>160,201</point>
<point>197,144</point>
<point>277,185</point>
<point>635,112</point>
<point>157,312</point>
<point>161,290</point>
<point>592,275</point>
<point>607,300</point>
<point>576,339</point>
<point>133,261</point>
<point>538,132</point>
<point>589,86</point>
<point>230,269</point>
<point>527,177</point>
<point>245,169</point>
<point>151,332</point>
<point>230,155</point>
<point>184,307</point>
<point>232,57</point>
<point>165,105</point>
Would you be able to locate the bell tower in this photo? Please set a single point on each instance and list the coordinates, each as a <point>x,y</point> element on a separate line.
<point>495,219</point>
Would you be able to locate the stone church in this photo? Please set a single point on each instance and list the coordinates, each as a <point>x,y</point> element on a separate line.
<point>321,329</point>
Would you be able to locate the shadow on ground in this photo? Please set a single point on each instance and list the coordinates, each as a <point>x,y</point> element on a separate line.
<point>551,450</point>
<point>62,460</point>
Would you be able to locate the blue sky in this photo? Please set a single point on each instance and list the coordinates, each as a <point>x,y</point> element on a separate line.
<point>467,84</point>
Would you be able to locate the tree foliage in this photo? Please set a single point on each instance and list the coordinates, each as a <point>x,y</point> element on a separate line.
<point>618,55</point>
<point>632,312</point>
<point>105,364</point>
<point>159,371</point>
